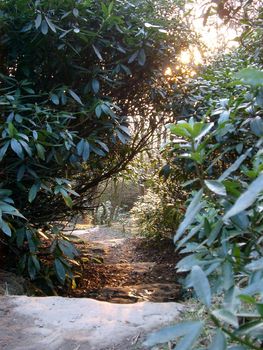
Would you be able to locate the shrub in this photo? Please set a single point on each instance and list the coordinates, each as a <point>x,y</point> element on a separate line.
<point>70,72</point>
<point>221,232</point>
<point>156,215</point>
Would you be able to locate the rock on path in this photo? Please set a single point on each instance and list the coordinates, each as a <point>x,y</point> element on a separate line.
<point>56,323</point>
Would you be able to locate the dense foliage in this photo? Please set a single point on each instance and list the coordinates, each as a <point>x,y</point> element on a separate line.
<point>159,209</point>
<point>220,145</point>
<point>74,76</point>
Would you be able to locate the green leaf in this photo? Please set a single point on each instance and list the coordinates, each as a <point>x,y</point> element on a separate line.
<point>16,147</point>
<point>253,288</point>
<point>141,57</point>
<point>44,27</point>
<point>67,249</point>
<point>180,130</point>
<point>110,7</point>
<point>35,134</point>
<point>215,232</point>
<point>205,128</point>
<point>86,151</point>
<point>38,20</point>
<point>201,285</point>
<point>97,53</point>
<point>125,129</point>
<point>60,270</point>
<point>190,330</point>
<point>31,241</point>
<point>133,57</point>
<point>68,201</point>
<point>10,210</point>
<point>250,76</point>
<point>35,262</point>
<point>80,147</point>
<point>256,265</point>
<point>50,24</point>
<point>247,299</point>
<point>228,277</point>
<point>40,151</point>
<point>121,137</point>
<point>33,192</point>
<point>216,187</point>
<point>75,96</point>
<point>75,12</point>
<point>103,146</point>
<point>26,28</point>
<point>95,86</point>
<point>54,98</point>
<point>20,237</point>
<point>241,220</point>
<point>98,111</point>
<point>226,316</point>
<point>256,126</point>
<point>5,228</point>
<point>252,328</point>
<point>219,341</point>
<point>188,262</point>
<point>247,198</point>
<point>234,166</point>
<point>32,271</point>
<point>26,147</point>
<point>191,212</point>
<point>3,150</point>
<point>260,309</point>
<point>11,129</point>
<point>126,69</point>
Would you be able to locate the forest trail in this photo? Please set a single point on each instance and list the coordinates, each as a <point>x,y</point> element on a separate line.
<point>131,274</point>
<point>122,269</point>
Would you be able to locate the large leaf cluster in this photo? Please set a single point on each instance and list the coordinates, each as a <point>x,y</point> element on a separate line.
<point>221,233</point>
<point>73,76</point>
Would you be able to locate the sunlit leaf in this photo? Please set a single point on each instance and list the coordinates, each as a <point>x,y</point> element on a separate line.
<point>216,187</point>
<point>60,270</point>
<point>201,285</point>
<point>226,316</point>
<point>50,24</point>
<point>141,57</point>
<point>219,341</point>
<point>247,198</point>
<point>44,27</point>
<point>38,20</point>
<point>96,50</point>
<point>191,212</point>
<point>75,96</point>
<point>188,330</point>
<point>95,86</point>
<point>250,76</point>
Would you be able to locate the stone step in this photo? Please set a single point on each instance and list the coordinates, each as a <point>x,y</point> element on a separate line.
<point>140,267</point>
<point>156,292</point>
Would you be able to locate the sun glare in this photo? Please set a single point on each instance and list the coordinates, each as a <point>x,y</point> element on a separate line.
<point>168,71</point>
<point>192,55</point>
<point>214,33</point>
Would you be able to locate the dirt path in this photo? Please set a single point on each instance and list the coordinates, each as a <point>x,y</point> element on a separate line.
<point>121,269</point>
<point>116,268</point>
